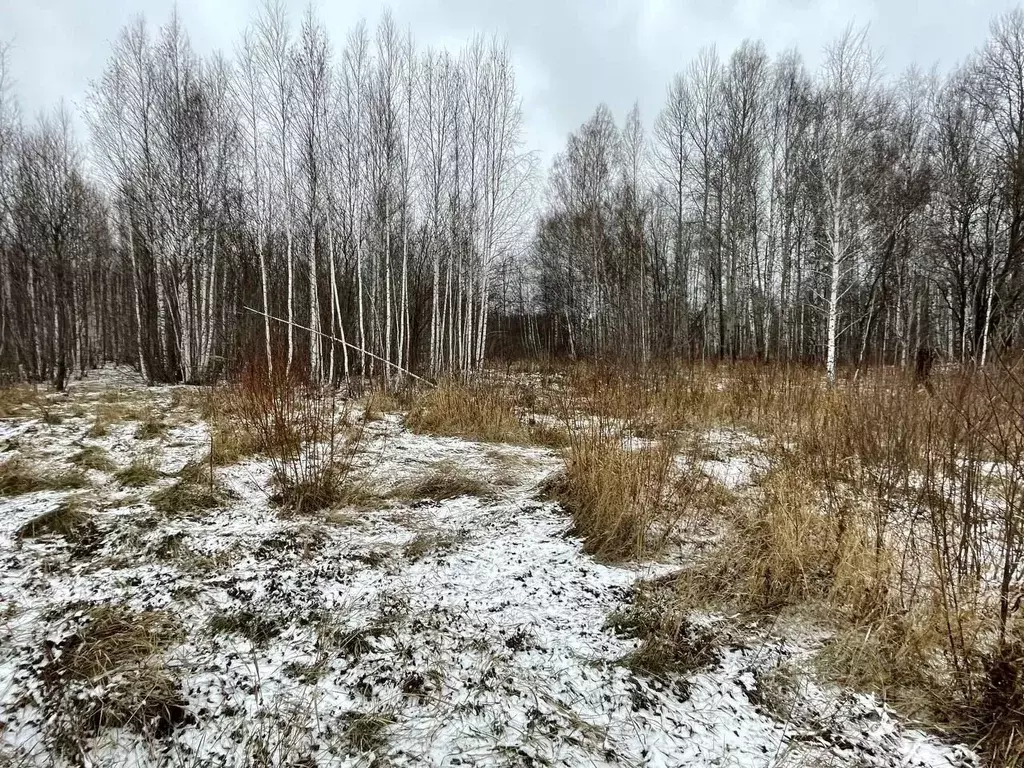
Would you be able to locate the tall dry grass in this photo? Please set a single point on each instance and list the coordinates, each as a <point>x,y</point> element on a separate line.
<point>475,411</point>
<point>617,495</point>
<point>892,509</point>
<point>110,672</point>
<point>485,410</point>
<point>897,510</point>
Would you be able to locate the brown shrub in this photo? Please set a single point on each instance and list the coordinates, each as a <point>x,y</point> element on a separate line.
<point>306,433</point>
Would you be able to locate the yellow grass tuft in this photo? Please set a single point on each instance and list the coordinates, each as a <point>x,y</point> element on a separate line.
<point>616,496</point>
<point>485,413</point>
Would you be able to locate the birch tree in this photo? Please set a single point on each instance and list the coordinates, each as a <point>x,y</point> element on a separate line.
<point>849,76</point>
<point>352,97</point>
<point>273,52</point>
<point>248,89</point>
<point>313,78</point>
<point>673,166</point>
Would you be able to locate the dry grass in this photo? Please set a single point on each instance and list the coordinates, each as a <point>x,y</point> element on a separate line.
<point>509,465</point>
<point>809,533</point>
<point>790,546</point>
<point>378,403</point>
<point>138,474</point>
<point>356,494</point>
<point>331,488</point>
<point>118,395</point>
<point>187,496</point>
<point>49,413</point>
<point>664,400</point>
<point>152,427</point>
<point>18,400</point>
<point>222,409</point>
<point>113,637</point>
<point>99,428</point>
<point>118,409</point>
<point>888,657</point>
<point>475,412</point>
<point>335,638</point>
<point>669,644</point>
<point>617,497</point>
<point>549,435</point>
<point>109,673</point>
<point>67,519</point>
<point>366,731</point>
<point>174,548</point>
<point>489,412</point>
<point>430,543</point>
<point>93,457</point>
<point>446,481</point>
<point>256,627</point>
<point>17,478</point>
<point>230,443</point>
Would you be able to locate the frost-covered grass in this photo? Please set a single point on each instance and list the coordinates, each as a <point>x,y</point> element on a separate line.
<point>441,616</point>
<point>139,473</point>
<point>17,477</point>
<point>67,519</point>
<point>442,483</point>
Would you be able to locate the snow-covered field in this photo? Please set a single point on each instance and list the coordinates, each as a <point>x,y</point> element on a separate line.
<point>465,632</point>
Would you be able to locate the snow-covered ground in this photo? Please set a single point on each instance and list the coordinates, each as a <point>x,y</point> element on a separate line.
<point>466,632</point>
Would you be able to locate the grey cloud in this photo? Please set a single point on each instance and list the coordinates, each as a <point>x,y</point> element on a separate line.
<point>572,54</point>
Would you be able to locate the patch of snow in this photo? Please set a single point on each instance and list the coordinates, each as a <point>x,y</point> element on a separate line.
<point>486,646</point>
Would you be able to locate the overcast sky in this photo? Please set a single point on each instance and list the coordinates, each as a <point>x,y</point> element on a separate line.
<point>569,54</point>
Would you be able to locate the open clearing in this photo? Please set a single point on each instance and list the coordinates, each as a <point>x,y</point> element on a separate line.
<point>471,630</point>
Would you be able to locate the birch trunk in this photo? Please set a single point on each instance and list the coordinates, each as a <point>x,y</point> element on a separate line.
<point>336,309</point>
<point>291,297</point>
<point>137,302</point>
<point>266,299</point>
<point>314,312</point>
<point>834,275</point>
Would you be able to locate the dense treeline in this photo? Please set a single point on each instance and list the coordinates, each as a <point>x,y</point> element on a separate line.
<point>775,213</point>
<point>374,195</point>
<point>381,195</point>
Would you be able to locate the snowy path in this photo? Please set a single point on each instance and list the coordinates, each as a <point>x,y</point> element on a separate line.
<point>465,632</point>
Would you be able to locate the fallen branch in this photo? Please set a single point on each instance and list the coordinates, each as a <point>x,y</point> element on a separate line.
<point>340,341</point>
